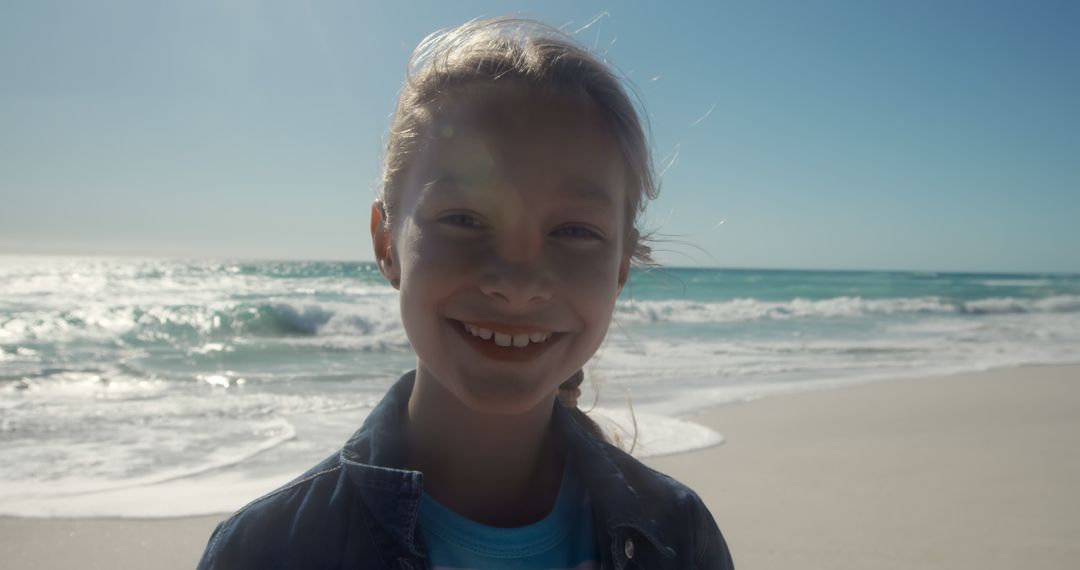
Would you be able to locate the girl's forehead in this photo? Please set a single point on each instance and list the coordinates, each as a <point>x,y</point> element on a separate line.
<point>512,130</point>
<point>513,103</point>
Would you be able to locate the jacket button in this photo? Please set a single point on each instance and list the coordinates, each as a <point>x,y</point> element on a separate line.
<point>628,548</point>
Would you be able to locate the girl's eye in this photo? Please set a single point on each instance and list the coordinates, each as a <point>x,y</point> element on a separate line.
<point>461,220</point>
<point>577,232</point>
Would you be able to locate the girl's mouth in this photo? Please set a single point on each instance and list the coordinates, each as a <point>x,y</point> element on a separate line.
<point>505,343</point>
<point>505,339</point>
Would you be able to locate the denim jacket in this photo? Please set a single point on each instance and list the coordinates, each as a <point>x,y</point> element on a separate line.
<point>358,508</point>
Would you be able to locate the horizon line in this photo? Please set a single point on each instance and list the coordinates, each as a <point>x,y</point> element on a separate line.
<point>256,259</point>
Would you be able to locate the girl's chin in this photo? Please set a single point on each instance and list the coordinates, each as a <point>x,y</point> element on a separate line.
<point>504,394</point>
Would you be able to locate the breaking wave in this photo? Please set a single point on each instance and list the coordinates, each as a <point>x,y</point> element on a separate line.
<point>193,322</point>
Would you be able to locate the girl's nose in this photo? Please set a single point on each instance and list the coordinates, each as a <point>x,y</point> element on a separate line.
<point>518,285</point>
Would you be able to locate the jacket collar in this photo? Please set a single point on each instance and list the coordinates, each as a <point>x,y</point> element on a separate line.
<point>374,460</point>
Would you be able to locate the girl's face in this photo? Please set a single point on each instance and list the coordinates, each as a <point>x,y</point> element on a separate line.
<point>509,243</point>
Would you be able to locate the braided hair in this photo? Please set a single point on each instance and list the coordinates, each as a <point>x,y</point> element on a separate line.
<point>569,392</point>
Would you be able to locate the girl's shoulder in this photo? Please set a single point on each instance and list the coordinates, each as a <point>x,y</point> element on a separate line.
<point>688,527</point>
<point>647,481</point>
<point>282,527</point>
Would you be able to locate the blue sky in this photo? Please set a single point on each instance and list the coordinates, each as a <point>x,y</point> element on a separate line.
<point>929,135</point>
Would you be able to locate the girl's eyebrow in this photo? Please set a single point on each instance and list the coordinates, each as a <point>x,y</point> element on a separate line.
<point>450,181</point>
<point>588,191</point>
<point>582,190</point>
<point>443,183</point>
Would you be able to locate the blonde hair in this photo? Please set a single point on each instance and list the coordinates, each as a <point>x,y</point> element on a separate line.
<point>485,51</point>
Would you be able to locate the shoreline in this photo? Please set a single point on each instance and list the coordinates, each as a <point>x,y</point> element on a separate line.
<point>967,470</point>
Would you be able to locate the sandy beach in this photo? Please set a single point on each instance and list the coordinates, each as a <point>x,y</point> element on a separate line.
<point>966,471</point>
<point>973,470</point>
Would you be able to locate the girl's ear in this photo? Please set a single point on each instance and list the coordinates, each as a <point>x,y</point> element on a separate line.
<point>381,241</point>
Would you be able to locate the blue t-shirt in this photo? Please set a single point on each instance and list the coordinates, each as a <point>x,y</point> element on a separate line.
<point>562,540</point>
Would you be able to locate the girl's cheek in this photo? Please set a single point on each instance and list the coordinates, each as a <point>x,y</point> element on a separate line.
<point>597,269</point>
<point>435,252</point>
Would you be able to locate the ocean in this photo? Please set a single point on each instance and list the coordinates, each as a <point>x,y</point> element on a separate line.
<point>151,388</point>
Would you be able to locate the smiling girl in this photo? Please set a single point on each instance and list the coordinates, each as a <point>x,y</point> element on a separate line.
<point>515,171</point>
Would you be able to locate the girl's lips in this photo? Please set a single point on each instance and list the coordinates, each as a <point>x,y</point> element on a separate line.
<point>489,349</point>
<point>507,328</point>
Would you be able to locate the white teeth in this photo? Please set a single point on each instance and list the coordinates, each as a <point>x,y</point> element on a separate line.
<point>520,340</point>
<point>478,332</point>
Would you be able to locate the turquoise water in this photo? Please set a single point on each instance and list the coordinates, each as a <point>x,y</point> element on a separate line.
<point>124,381</point>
